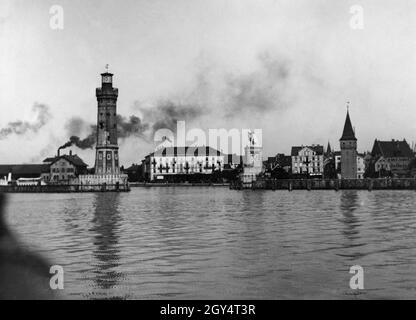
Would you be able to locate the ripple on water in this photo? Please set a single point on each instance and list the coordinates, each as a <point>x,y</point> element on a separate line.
<point>185,243</point>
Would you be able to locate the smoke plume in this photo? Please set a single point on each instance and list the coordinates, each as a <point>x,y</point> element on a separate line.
<point>224,95</point>
<point>77,126</point>
<point>126,127</point>
<point>21,127</point>
<point>218,93</point>
<point>86,143</point>
<point>132,126</point>
<point>261,90</point>
<point>165,114</point>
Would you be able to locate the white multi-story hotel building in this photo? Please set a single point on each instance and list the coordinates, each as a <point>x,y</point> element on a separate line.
<point>308,160</point>
<point>169,161</point>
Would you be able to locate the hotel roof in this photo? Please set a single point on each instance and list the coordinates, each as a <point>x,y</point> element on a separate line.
<point>188,151</point>
<point>319,150</point>
<point>74,159</point>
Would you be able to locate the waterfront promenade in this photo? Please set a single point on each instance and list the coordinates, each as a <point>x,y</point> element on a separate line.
<point>266,184</point>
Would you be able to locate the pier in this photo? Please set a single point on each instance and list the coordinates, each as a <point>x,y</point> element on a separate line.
<point>178,184</point>
<point>329,184</point>
<point>68,188</point>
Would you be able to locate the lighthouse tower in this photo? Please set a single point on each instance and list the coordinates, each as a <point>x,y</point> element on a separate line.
<point>106,158</point>
<point>107,176</point>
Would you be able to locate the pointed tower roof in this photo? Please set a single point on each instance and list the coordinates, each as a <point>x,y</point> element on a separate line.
<point>348,133</point>
<point>328,148</point>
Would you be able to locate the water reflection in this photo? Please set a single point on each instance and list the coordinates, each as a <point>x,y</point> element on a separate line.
<point>348,204</point>
<point>72,213</point>
<point>253,201</point>
<point>214,243</point>
<point>106,224</point>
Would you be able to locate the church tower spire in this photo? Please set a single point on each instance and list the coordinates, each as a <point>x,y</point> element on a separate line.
<point>328,149</point>
<point>348,143</point>
<point>348,133</point>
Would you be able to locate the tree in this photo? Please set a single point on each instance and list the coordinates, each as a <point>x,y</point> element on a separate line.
<point>370,169</point>
<point>279,173</point>
<point>329,170</point>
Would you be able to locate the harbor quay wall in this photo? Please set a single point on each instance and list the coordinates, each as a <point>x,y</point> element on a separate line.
<point>68,188</point>
<point>330,184</point>
<point>83,183</point>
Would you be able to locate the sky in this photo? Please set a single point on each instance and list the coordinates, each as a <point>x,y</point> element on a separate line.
<point>285,67</point>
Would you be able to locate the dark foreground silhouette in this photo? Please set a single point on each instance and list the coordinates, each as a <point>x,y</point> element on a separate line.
<point>23,274</point>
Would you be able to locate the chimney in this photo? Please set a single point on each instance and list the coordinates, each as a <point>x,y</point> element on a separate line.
<point>59,152</point>
<point>70,152</point>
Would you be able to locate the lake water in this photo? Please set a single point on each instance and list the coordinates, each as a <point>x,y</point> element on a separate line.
<point>216,243</point>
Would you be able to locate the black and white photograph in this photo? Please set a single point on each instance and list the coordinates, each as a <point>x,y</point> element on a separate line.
<point>201,151</point>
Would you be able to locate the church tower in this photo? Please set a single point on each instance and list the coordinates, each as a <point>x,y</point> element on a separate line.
<point>106,158</point>
<point>328,150</point>
<point>348,144</point>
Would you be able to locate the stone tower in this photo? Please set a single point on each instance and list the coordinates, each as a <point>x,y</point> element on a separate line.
<point>348,144</point>
<point>106,158</point>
